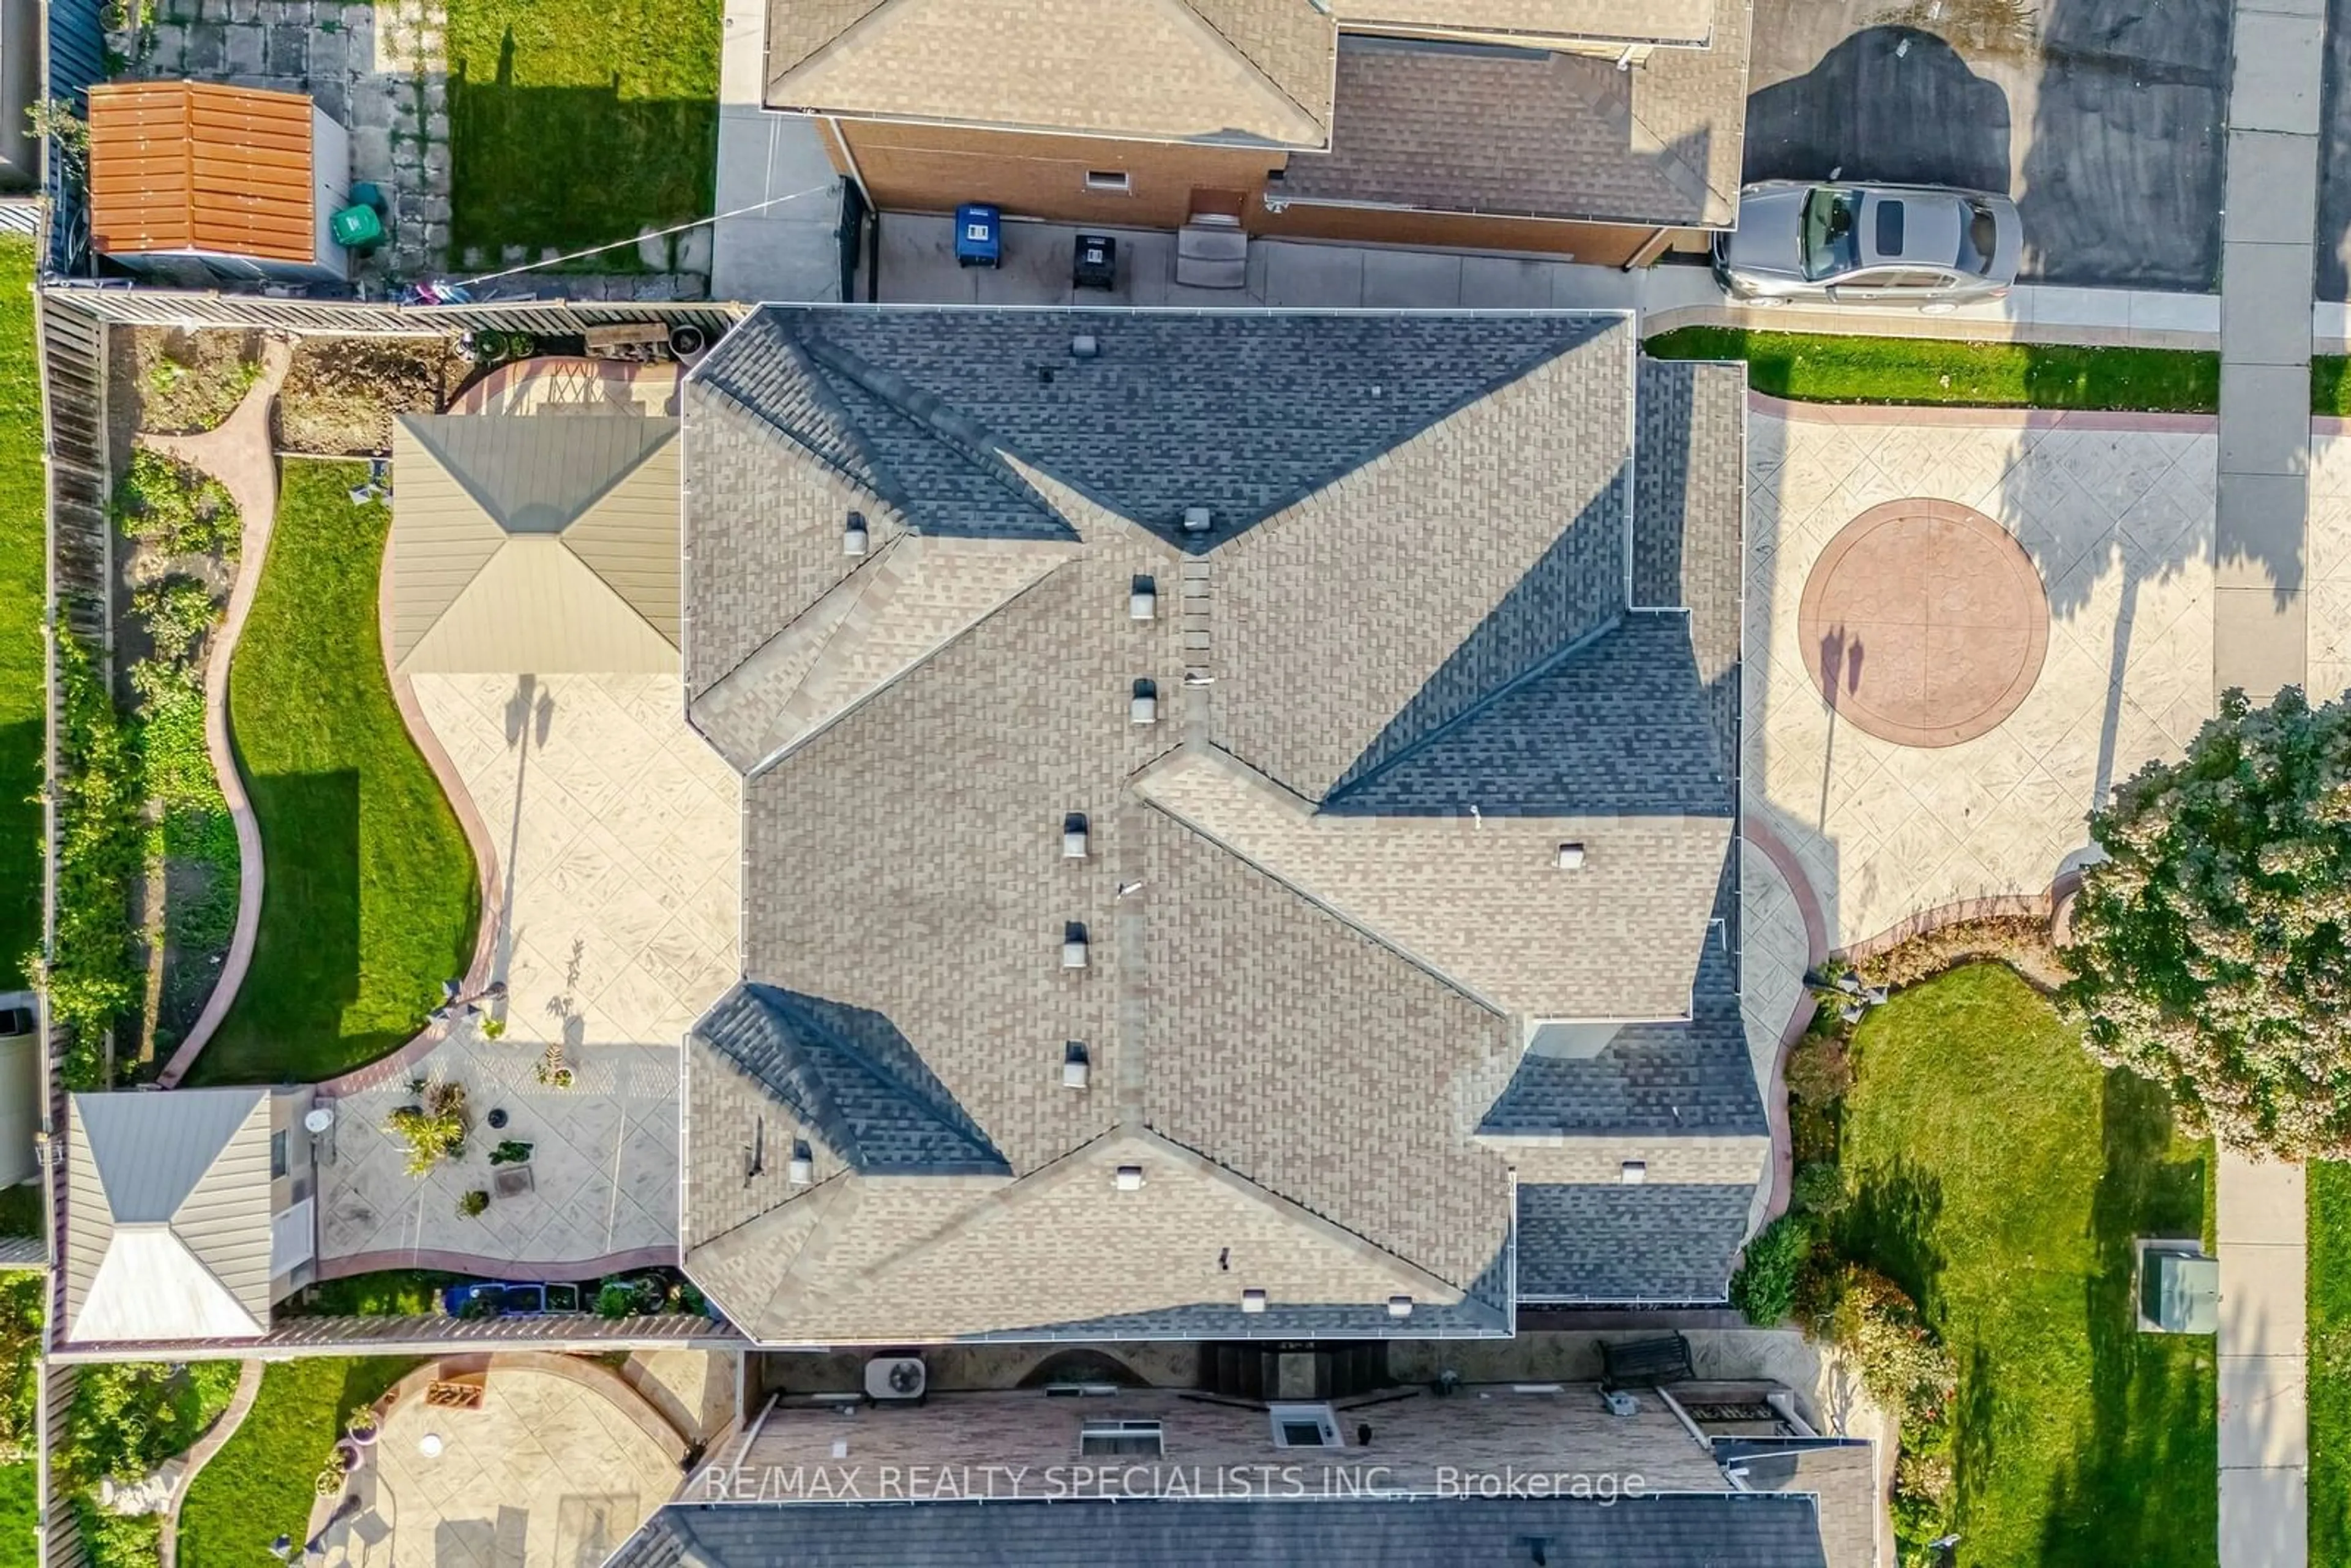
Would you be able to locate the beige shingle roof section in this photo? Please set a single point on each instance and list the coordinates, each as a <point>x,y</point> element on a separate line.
<point>1225,70</point>
<point>1626,21</point>
<point>1481,902</point>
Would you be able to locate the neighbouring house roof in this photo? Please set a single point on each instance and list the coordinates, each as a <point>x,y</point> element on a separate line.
<point>182,166</point>
<point>1237,72</point>
<point>1616,21</point>
<point>169,1194</point>
<point>1681,1530</point>
<point>1425,643</point>
<point>537,543</point>
<point>1476,128</point>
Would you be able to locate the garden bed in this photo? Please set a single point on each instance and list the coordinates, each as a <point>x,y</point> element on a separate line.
<point>1974,1157</point>
<point>127,1419</point>
<point>371,894</point>
<point>168,381</point>
<point>341,393</point>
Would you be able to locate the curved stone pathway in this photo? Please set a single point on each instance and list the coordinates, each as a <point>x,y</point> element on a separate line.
<point>240,1405</point>
<point>240,455</point>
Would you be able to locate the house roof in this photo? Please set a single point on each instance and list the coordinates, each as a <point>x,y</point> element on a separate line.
<point>170,1200</point>
<point>180,166</point>
<point>1679,1530</point>
<point>1396,675</point>
<point>1618,21</point>
<point>1251,72</point>
<point>535,542</point>
<point>1476,128</point>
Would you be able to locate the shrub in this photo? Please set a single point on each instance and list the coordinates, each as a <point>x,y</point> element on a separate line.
<point>1765,1286</point>
<point>1904,1367</point>
<point>22,1307</point>
<point>615,1299</point>
<point>177,611</point>
<point>120,1541</point>
<point>1818,1069</point>
<point>90,978</point>
<point>474,1204</point>
<point>1812,1132</point>
<point>173,507</point>
<point>1818,1190</point>
<point>2211,952</point>
<point>434,1129</point>
<point>510,1152</point>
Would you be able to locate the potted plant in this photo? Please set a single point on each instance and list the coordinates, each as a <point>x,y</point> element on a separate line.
<point>473,1203</point>
<point>510,1152</point>
<point>335,1472</point>
<point>433,1129</point>
<point>365,1426</point>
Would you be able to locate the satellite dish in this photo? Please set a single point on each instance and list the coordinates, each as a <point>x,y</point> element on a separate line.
<point>318,1118</point>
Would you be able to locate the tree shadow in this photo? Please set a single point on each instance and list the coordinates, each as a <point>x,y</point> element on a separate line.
<point>572,166</point>
<point>1891,1221</point>
<point>1888,103</point>
<point>2142,1485</point>
<point>304,973</point>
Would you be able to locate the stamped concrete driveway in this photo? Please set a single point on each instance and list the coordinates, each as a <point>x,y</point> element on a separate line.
<point>2103,118</point>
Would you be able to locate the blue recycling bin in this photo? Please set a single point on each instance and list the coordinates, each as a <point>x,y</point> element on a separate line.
<point>979,235</point>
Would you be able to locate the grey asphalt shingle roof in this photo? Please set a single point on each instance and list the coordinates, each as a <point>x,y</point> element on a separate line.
<point>1647,1241</point>
<point>1675,1531</point>
<point>852,1079</point>
<point>1617,726</point>
<point>1284,403</point>
<point>1416,516</point>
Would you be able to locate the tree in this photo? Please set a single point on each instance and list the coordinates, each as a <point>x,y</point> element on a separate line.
<point>2211,952</point>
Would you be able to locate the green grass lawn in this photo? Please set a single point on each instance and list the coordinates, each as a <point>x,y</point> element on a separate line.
<point>260,1484</point>
<point>23,576</point>
<point>575,122</point>
<point>390,1292</point>
<point>370,900</point>
<point>1825,369</point>
<point>2329,1287</point>
<point>2330,392</point>
<point>1999,1174</point>
<point>19,1513</point>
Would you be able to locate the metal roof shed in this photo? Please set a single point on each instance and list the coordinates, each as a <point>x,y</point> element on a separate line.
<point>239,181</point>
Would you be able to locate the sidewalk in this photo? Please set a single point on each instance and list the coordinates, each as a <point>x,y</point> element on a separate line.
<point>2264,1395</point>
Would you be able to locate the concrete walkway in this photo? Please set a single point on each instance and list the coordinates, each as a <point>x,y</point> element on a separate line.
<point>789,250</point>
<point>2261,643</point>
<point>200,1453</point>
<point>2264,1397</point>
<point>239,455</point>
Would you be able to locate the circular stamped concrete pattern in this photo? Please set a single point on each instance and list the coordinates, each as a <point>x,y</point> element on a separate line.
<point>1924,622</point>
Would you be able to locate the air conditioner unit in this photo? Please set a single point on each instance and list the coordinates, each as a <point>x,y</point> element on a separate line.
<point>895,1378</point>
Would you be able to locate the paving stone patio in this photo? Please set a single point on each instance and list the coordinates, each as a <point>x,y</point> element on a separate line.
<point>603,1166</point>
<point>547,1474</point>
<point>618,837</point>
<point>2115,512</point>
<point>376,69</point>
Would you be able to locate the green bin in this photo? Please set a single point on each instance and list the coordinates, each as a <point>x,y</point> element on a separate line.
<point>357,228</point>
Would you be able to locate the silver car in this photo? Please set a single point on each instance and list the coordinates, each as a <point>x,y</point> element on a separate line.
<point>1880,244</point>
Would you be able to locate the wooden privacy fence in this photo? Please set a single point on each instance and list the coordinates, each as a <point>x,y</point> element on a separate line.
<point>145,306</point>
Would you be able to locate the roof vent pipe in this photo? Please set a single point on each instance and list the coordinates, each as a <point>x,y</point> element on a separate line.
<point>1143,599</point>
<point>1073,947</point>
<point>1198,519</point>
<point>1074,836</point>
<point>1145,708</point>
<point>854,537</point>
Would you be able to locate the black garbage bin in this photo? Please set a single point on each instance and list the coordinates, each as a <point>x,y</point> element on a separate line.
<point>1096,265</point>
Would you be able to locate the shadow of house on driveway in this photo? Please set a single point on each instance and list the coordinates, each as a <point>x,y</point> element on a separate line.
<point>1888,103</point>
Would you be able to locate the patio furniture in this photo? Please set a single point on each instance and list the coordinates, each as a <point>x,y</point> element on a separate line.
<point>1645,1362</point>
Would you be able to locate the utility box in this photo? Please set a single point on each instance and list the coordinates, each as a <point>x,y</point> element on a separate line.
<point>2178,1288</point>
<point>1096,265</point>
